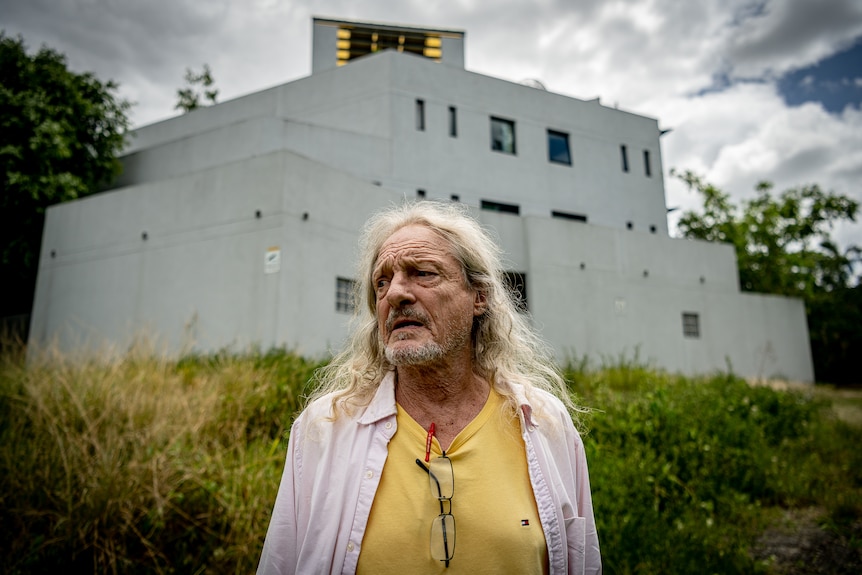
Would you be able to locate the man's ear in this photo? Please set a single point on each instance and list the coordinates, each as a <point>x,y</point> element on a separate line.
<point>480,303</point>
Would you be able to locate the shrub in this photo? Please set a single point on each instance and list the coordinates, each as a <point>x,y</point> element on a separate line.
<point>141,465</point>
<point>684,470</point>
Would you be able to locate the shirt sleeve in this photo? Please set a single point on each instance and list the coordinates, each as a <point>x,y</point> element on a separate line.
<point>280,549</point>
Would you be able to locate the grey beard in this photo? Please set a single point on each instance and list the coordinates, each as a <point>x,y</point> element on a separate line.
<point>428,352</point>
<point>431,351</point>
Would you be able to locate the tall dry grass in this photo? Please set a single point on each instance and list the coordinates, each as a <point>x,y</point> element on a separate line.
<point>139,464</point>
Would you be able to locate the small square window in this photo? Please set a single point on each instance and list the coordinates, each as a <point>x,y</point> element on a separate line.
<point>344,295</point>
<point>420,115</point>
<point>624,157</point>
<point>503,135</point>
<point>690,325</point>
<point>558,148</point>
<point>420,194</point>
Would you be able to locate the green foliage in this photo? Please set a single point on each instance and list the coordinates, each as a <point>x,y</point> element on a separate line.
<point>784,246</point>
<point>60,133</point>
<point>140,465</point>
<point>199,87</point>
<point>684,471</point>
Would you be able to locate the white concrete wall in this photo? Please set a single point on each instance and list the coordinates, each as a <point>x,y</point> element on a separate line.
<point>629,297</point>
<point>197,282</point>
<point>323,47</point>
<point>594,184</point>
<point>360,119</point>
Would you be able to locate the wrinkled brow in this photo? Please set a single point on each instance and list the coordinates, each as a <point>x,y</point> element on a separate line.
<point>388,262</point>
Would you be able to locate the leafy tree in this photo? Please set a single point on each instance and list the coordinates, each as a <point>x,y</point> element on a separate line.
<point>835,328</point>
<point>60,133</point>
<point>784,246</point>
<point>198,87</point>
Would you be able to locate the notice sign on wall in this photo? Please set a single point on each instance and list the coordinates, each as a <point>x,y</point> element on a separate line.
<point>272,261</point>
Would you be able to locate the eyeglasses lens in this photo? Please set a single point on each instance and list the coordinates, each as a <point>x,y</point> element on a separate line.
<point>443,528</point>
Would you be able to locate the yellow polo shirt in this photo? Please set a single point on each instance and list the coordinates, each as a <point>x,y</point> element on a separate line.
<point>497,528</point>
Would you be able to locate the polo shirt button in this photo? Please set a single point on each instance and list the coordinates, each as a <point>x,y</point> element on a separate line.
<point>369,474</point>
<point>388,425</point>
<point>350,546</point>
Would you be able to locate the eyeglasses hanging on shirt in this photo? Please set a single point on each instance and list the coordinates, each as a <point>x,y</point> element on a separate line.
<point>442,482</point>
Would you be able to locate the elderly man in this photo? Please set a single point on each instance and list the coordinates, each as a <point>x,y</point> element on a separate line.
<point>441,438</point>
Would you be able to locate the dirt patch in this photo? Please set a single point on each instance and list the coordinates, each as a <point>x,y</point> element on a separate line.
<point>798,544</point>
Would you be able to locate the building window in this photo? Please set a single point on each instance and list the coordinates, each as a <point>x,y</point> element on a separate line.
<point>503,135</point>
<point>690,324</point>
<point>357,41</point>
<point>500,207</point>
<point>420,194</point>
<point>516,282</point>
<point>647,167</point>
<point>453,122</point>
<point>558,148</point>
<point>624,157</point>
<point>568,216</point>
<point>455,198</point>
<point>344,295</point>
<point>420,115</point>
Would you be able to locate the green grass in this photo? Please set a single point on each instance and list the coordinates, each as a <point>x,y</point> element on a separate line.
<point>141,465</point>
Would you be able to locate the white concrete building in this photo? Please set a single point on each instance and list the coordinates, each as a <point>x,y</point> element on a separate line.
<point>236,224</point>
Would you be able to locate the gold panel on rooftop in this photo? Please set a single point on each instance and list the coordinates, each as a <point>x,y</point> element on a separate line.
<point>356,41</point>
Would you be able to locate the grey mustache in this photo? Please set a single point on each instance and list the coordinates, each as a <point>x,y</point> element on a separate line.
<point>404,313</point>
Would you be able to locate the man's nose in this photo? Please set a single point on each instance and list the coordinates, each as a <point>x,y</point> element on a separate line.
<point>400,291</point>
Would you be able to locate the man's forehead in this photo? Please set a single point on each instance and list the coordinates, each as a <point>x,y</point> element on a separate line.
<point>413,242</point>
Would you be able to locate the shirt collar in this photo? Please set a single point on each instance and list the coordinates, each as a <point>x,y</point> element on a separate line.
<point>517,390</point>
<point>382,405</point>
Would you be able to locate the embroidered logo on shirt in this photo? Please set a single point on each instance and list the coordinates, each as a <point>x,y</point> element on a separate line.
<point>525,522</point>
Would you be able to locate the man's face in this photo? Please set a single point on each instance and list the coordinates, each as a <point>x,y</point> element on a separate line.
<point>425,309</point>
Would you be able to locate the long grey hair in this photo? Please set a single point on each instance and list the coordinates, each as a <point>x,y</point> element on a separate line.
<point>505,345</point>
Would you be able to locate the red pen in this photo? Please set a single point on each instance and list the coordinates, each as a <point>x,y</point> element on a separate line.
<point>428,442</point>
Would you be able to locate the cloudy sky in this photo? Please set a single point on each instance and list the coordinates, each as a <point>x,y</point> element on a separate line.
<point>752,90</point>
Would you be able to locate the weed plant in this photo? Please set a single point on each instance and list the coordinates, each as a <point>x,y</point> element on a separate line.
<point>141,465</point>
<point>687,472</point>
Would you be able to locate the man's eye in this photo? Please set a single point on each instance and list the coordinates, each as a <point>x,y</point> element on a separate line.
<point>381,283</point>
<point>424,273</point>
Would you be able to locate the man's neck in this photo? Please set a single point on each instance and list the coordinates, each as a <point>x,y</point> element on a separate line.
<point>449,397</point>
